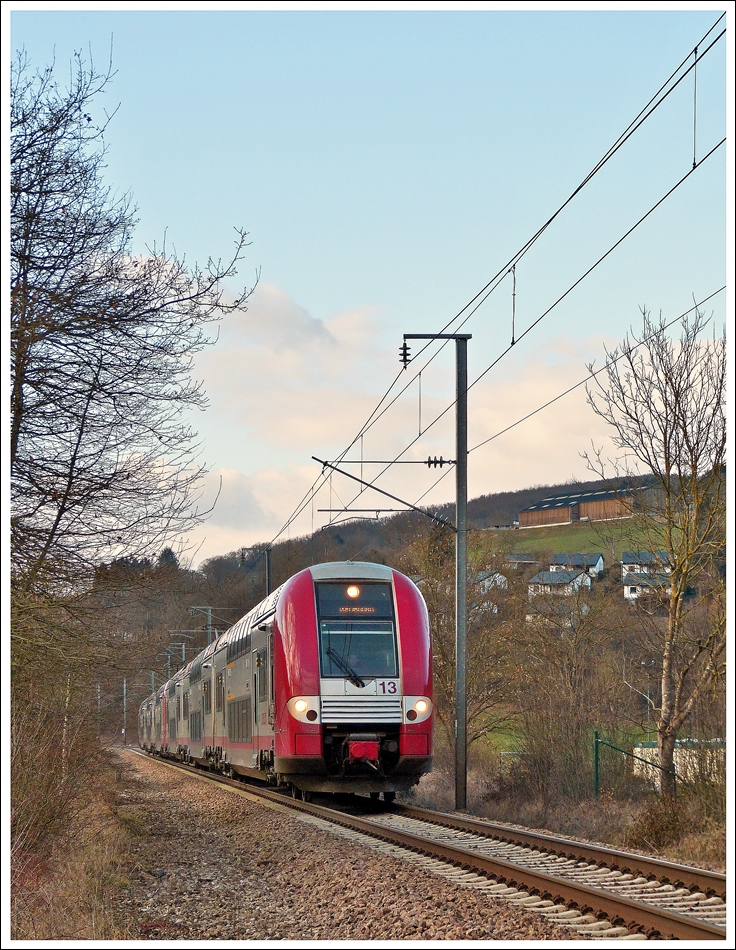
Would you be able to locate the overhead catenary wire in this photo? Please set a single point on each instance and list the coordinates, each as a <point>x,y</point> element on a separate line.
<point>483,294</point>
<point>592,375</point>
<point>654,102</point>
<point>550,402</point>
<point>556,302</point>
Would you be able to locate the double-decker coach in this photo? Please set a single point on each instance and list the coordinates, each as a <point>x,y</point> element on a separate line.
<point>325,686</point>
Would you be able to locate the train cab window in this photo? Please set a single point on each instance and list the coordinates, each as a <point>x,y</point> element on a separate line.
<point>356,629</point>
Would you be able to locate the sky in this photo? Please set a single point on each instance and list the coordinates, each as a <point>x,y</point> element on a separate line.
<point>388,162</point>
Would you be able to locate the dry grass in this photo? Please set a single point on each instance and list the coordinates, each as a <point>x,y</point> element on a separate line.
<point>68,894</point>
<point>687,833</point>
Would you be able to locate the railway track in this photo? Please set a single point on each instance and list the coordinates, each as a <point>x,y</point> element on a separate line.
<point>587,888</point>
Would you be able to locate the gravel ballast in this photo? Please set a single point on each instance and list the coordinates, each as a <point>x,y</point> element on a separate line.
<point>207,864</point>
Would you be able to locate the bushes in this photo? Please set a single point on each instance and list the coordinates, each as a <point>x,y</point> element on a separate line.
<point>66,890</point>
<point>53,762</point>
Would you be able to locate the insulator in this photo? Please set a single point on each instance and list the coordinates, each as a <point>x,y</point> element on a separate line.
<point>404,354</point>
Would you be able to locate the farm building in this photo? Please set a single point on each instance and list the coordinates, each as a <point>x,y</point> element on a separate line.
<point>602,505</point>
<point>693,759</point>
<point>590,563</point>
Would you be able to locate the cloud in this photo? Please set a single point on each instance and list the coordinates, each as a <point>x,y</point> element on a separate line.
<point>285,385</point>
<point>280,377</point>
<point>274,321</point>
<point>248,509</point>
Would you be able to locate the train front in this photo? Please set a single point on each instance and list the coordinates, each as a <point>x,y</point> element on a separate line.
<point>353,681</point>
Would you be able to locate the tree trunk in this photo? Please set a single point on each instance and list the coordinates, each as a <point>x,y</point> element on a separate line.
<point>666,741</point>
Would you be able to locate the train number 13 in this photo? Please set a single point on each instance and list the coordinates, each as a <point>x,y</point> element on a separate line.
<point>387,686</point>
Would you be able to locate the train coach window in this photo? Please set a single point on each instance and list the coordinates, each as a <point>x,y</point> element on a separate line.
<point>206,698</point>
<point>238,644</point>
<point>239,725</point>
<point>219,692</point>
<point>354,599</point>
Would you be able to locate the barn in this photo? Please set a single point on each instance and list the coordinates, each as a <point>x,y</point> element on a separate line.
<point>600,505</point>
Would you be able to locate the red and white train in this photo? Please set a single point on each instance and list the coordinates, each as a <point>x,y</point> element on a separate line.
<point>325,686</point>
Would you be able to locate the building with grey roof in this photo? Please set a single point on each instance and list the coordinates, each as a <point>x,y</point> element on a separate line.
<point>590,563</point>
<point>557,583</point>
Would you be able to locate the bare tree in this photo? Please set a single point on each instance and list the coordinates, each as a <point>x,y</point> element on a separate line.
<point>565,686</point>
<point>665,402</point>
<point>431,559</point>
<point>102,459</point>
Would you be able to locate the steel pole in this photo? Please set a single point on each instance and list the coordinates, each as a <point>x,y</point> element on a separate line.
<point>461,575</point>
<point>461,550</point>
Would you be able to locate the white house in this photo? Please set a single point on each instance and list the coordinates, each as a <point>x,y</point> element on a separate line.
<point>645,562</point>
<point>641,584</point>
<point>487,580</point>
<point>562,583</point>
<point>592,564</point>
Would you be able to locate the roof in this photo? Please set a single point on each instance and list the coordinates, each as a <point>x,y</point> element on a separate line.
<point>645,557</point>
<point>554,577</point>
<point>580,559</point>
<point>574,498</point>
<point>521,558</point>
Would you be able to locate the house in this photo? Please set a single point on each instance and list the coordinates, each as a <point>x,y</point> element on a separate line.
<point>487,580</point>
<point>557,611</point>
<point>558,583</point>
<point>644,584</point>
<point>601,505</point>
<point>520,561</point>
<point>644,562</point>
<point>592,564</point>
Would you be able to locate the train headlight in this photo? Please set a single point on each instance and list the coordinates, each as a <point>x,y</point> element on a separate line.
<point>353,591</point>
<point>417,708</point>
<point>304,708</point>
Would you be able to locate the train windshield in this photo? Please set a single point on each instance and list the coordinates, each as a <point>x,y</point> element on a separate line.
<point>356,629</point>
<point>358,648</point>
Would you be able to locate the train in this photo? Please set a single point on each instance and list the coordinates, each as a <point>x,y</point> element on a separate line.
<point>325,686</point>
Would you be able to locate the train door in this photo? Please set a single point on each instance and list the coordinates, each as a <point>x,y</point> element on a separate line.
<point>271,685</point>
<point>219,725</point>
<point>260,702</point>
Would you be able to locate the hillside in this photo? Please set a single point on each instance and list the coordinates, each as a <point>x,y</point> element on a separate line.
<point>382,540</point>
<point>609,537</point>
<point>376,540</point>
